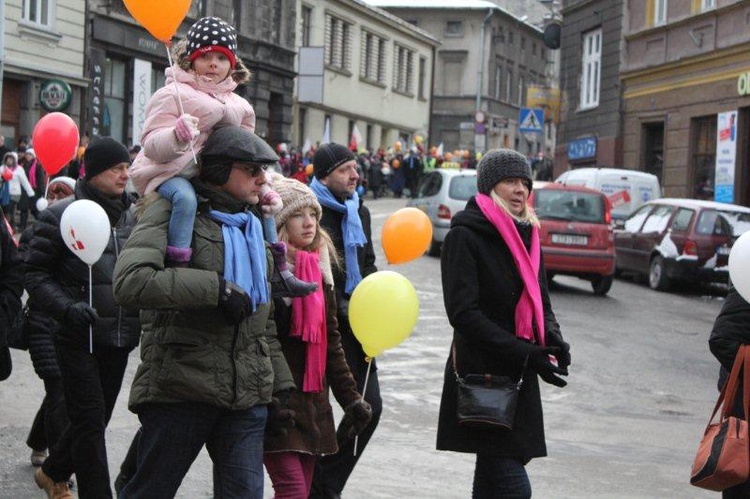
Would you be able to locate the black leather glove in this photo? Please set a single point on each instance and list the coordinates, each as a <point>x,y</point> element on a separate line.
<point>80,314</point>
<point>280,417</point>
<point>356,418</point>
<point>234,302</point>
<point>555,339</point>
<point>539,361</point>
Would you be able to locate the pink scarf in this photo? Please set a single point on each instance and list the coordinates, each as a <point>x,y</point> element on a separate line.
<point>530,305</point>
<point>32,175</point>
<point>309,321</point>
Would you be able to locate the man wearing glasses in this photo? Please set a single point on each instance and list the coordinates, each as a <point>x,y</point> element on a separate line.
<point>211,362</point>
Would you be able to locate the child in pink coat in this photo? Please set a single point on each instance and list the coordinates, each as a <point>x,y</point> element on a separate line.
<point>207,71</point>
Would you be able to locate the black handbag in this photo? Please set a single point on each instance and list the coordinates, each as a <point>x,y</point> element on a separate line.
<point>18,332</point>
<point>485,400</point>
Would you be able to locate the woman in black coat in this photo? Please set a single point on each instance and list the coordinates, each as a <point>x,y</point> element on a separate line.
<point>731,330</point>
<point>496,298</point>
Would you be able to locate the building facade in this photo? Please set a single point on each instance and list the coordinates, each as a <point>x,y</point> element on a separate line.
<point>43,65</point>
<point>125,64</point>
<point>363,74</point>
<point>686,96</point>
<point>590,132</point>
<point>486,62</point>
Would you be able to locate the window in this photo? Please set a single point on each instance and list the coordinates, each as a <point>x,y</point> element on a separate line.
<point>197,9</point>
<point>508,86</point>
<point>38,11</point>
<point>634,221</point>
<point>454,28</point>
<point>523,43</point>
<point>113,120</point>
<point>498,81</point>
<point>658,220</point>
<point>403,62</point>
<point>590,75</point>
<point>520,91</point>
<point>660,12</point>
<point>338,46</point>
<point>704,156</point>
<point>372,60</point>
<point>707,4</point>
<point>305,25</point>
<point>681,222</point>
<point>422,78</point>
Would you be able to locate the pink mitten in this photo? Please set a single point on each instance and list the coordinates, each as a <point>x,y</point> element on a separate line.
<point>186,128</point>
<point>270,201</point>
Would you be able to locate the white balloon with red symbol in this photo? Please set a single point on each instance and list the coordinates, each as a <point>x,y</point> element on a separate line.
<point>85,229</point>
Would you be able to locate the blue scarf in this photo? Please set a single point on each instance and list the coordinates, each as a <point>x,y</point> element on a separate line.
<point>244,254</point>
<point>351,229</point>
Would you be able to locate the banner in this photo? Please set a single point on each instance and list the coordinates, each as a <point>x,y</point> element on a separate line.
<point>141,95</point>
<point>726,154</point>
<point>97,59</point>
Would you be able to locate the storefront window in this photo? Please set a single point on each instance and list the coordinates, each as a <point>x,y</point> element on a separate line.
<point>704,156</point>
<point>114,99</point>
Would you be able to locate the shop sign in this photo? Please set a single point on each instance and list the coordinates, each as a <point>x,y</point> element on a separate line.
<point>55,95</point>
<point>584,148</point>
<point>743,84</point>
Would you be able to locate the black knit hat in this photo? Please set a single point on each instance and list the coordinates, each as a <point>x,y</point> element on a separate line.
<point>499,164</point>
<point>103,153</point>
<point>328,158</point>
<point>212,34</point>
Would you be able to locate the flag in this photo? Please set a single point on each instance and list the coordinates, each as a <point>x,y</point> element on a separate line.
<point>355,141</point>
<point>439,151</point>
<point>306,146</point>
<point>326,132</point>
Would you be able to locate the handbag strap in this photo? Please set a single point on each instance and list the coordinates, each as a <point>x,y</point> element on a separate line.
<point>729,390</point>
<point>460,380</point>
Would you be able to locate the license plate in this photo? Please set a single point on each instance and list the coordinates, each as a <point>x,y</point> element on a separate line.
<point>573,239</point>
<point>722,250</point>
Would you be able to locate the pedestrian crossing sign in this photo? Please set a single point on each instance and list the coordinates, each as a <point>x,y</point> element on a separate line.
<point>530,120</point>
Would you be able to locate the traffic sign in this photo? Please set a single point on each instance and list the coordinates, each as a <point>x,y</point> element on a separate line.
<point>531,119</point>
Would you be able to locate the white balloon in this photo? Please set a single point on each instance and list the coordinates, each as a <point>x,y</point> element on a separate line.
<point>41,204</point>
<point>85,229</point>
<point>739,265</point>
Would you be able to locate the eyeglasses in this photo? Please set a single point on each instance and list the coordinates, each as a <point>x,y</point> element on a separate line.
<point>252,169</point>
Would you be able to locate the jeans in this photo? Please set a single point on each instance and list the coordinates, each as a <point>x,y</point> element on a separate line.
<point>498,477</point>
<point>172,435</point>
<point>291,473</point>
<point>92,382</point>
<point>332,471</point>
<point>51,418</point>
<point>181,194</point>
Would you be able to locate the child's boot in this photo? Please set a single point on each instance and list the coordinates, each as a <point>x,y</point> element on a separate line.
<point>178,257</point>
<point>283,282</point>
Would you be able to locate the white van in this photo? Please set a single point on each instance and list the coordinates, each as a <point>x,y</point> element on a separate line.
<point>626,189</point>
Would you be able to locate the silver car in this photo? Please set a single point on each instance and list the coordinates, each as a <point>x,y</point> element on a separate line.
<point>441,194</point>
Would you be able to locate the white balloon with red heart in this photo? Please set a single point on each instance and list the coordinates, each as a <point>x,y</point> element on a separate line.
<point>85,229</point>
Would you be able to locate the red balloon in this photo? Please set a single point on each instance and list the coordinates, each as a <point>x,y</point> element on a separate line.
<point>7,175</point>
<point>55,141</point>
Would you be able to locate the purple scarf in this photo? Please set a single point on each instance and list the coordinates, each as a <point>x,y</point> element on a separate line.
<point>529,309</point>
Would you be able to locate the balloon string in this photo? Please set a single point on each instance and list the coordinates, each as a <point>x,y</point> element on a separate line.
<point>91,304</point>
<point>364,389</point>
<point>179,99</point>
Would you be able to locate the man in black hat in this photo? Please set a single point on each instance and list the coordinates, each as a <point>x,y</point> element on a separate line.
<point>58,281</point>
<point>347,221</point>
<point>212,371</point>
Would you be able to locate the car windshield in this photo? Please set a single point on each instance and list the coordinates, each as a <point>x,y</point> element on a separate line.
<point>462,187</point>
<point>553,204</point>
<point>723,223</point>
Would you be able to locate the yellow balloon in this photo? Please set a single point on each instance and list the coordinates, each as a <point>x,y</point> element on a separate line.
<point>406,235</point>
<point>161,18</point>
<point>383,311</point>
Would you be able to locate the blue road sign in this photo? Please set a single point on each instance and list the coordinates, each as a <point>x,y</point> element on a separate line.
<point>531,120</point>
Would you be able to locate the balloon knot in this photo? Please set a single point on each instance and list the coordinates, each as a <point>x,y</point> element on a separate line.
<point>368,359</point>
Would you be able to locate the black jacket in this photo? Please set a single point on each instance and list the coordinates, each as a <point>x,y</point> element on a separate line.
<point>731,329</point>
<point>11,289</point>
<point>55,279</point>
<point>481,288</point>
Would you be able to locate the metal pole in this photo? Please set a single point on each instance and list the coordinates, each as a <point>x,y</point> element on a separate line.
<point>2,51</point>
<point>480,72</point>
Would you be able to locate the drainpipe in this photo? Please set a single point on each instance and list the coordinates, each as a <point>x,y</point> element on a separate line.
<point>2,50</point>
<point>480,71</point>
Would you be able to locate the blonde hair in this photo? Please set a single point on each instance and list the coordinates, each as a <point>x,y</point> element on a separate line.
<point>240,74</point>
<point>527,215</point>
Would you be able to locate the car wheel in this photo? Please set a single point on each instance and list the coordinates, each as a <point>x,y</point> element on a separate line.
<point>602,284</point>
<point>657,276</point>
<point>434,249</point>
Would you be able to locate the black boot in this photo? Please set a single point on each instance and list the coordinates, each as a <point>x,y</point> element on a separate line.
<point>283,282</point>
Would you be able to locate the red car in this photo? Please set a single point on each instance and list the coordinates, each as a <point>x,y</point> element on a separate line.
<point>576,233</point>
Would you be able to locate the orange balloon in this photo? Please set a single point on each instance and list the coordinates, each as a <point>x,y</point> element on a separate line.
<point>161,18</point>
<point>406,235</point>
<point>309,169</point>
<point>396,164</point>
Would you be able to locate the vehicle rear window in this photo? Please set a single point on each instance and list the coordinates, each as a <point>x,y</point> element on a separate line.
<point>553,204</point>
<point>429,185</point>
<point>681,222</point>
<point>722,223</point>
<point>658,219</point>
<point>463,187</point>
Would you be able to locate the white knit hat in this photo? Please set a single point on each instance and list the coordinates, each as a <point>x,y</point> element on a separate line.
<point>295,196</point>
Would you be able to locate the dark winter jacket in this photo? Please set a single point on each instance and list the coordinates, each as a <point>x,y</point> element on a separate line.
<point>481,288</point>
<point>189,353</point>
<point>314,431</point>
<point>55,278</point>
<point>41,329</point>
<point>731,329</point>
<point>11,289</point>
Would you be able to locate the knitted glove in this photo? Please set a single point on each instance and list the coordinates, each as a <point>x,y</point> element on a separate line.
<point>356,418</point>
<point>80,314</point>
<point>555,339</point>
<point>280,417</point>
<point>270,201</point>
<point>234,302</point>
<point>186,128</point>
<point>539,361</point>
